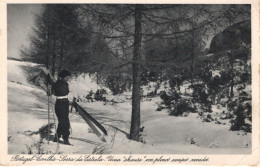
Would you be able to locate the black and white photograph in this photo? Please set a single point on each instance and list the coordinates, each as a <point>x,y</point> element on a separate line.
<point>126,79</point>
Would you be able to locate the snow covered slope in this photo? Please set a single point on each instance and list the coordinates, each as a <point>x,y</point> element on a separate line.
<point>163,134</point>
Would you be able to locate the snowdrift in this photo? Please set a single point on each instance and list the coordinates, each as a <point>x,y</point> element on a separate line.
<point>162,134</point>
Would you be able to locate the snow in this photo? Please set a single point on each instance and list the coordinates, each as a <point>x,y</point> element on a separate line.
<point>15,72</point>
<point>215,73</point>
<point>163,134</point>
<point>149,88</point>
<point>185,88</point>
<point>82,85</point>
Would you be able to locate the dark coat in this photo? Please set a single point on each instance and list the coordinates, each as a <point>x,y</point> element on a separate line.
<point>61,88</point>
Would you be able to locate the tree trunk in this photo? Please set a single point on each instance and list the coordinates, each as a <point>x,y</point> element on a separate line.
<point>48,40</point>
<point>97,78</point>
<point>192,57</point>
<point>232,76</point>
<point>47,51</point>
<point>135,120</point>
<point>61,49</point>
<point>54,51</point>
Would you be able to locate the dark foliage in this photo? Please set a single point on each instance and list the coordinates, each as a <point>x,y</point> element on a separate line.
<point>169,98</point>
<point>149,76</point>
<point>242,110</point>
<point>116,83</point>
<point>200,94</point>
<point>99,95</point>
<point>181,108</point>
<point>89,96</point>
<point>239,121</point>
<point>208,118</point>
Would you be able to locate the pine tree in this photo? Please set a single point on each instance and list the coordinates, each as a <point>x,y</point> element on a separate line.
<point>57,40</point>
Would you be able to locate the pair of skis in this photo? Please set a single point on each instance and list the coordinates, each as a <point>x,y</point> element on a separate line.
<point>92,122</point>
<point>96,127</point>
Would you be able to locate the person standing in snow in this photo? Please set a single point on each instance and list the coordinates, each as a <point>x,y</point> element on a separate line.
<point>61,91</point>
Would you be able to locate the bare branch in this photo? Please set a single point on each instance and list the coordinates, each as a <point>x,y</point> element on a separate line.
<point>189,30</point>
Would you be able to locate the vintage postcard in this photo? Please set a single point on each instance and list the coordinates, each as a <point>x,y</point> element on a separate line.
<point>129,83</point>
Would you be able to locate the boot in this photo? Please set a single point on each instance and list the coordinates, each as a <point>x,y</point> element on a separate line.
<point>66,141</point>
<point>56,138</point>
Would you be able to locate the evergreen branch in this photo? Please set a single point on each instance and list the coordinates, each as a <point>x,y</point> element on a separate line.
<point>169,20</point>
<point>160,7</point>
<point>113,36</point>
<point>189,30</point>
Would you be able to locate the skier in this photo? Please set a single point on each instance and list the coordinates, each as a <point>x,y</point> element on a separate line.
<point>61,91</point>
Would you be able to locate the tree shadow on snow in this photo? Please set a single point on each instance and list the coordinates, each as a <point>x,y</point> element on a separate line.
<point>85,140</point>
<point>127,134</point>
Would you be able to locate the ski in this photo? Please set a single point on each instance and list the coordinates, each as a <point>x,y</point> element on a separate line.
<point>90,117</point>
<point>86,117</point>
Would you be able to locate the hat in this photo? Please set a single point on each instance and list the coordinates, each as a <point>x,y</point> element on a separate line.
<point>64,73</point>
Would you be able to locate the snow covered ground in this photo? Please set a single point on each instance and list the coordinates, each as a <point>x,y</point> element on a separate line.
<point>163,134</point>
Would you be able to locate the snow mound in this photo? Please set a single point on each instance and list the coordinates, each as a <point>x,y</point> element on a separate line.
<point>15,71</point>
<point>118,143</point>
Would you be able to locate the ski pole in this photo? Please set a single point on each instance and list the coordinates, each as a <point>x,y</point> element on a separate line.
<point>48,115</point>
<point>57,148</point>
<point>48,94</point>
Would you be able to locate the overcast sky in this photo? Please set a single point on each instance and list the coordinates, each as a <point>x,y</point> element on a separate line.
<point>19,22</point>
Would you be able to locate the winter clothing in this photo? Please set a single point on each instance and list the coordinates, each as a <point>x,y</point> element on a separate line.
<point>61,88</point>
<point>56,140</point>
<point>64,73</point>
<point>62,112</point>
<point>66,142</point>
